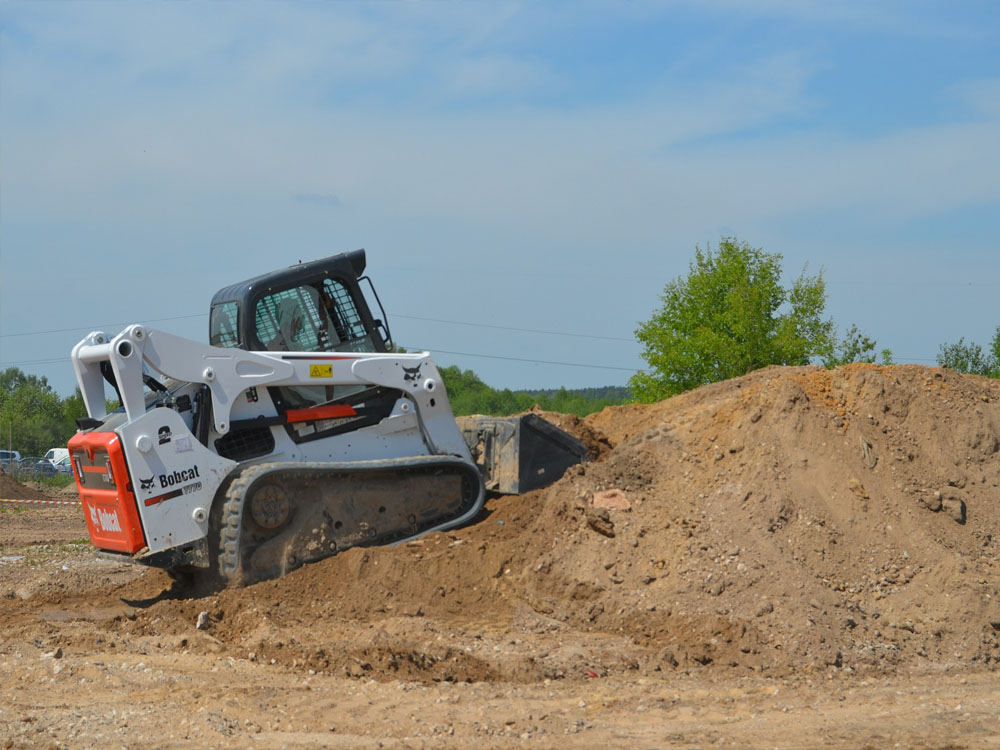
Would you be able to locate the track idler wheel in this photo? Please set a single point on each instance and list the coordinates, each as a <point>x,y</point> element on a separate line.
<point>269,507</point>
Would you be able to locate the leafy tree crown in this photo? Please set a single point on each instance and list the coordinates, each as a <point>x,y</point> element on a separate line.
<point>729,316</point>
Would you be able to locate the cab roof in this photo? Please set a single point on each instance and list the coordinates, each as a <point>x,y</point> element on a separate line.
<point>343,265</point>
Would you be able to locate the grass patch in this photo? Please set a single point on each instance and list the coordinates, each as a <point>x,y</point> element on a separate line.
<point>56,481</point>
<point>75,546</point>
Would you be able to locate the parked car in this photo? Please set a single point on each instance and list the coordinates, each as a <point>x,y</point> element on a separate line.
<point>64,465</point>
<point>55,455</point>
<point>9,459</point>
<point>26,466</point>
<point>44,468</point>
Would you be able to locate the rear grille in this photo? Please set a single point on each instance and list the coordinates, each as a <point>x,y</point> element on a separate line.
<point>247,443</point>
<point>95,480</point>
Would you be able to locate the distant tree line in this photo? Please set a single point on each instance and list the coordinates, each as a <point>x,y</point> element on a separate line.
<point>618,394</point>
<point>468,394</point>
<point>971,358</point>
<point>33,418</point>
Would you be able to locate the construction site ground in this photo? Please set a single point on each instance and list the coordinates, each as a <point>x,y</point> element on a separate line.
<point>796,558</point>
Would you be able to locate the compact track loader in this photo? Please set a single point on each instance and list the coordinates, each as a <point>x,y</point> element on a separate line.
<point>294,434</point>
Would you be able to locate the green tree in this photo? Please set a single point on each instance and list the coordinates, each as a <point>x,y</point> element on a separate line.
<point>32,413</point>
<point>995,354</point>
<point>731,315</point>
<point>856,347</point>
<point>970,357</point>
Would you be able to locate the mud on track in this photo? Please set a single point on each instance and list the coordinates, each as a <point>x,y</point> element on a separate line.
<point>795,558</point>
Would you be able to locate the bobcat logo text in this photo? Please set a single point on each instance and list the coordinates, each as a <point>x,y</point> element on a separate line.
<point>178,477</point>
<point>104,520</point>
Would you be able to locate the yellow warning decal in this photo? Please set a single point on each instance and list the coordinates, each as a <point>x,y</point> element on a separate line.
<point>321,371</point>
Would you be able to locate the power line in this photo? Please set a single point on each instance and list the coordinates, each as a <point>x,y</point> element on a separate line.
<point>96,328</point>
<point>509,328</point>
<point>520,359</point>
<point>395,315</point>
<point>411,317</point>
<point>442,351</point>
<point>36,362</point>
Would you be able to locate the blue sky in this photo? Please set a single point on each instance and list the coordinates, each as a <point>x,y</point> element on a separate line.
<point>526,176</point>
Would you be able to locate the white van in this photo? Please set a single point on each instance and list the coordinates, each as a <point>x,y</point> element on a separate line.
<point>56,454</point>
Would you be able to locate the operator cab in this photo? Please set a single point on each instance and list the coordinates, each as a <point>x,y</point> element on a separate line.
<point>309,307</point>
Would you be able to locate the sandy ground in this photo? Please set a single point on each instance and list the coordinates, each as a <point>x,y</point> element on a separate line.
<point>797,558</point>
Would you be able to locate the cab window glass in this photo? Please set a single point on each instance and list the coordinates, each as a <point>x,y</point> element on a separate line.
<point>222,330</point>
<point>290,320</point>
<point>310,319</point>
<point>347,331</point>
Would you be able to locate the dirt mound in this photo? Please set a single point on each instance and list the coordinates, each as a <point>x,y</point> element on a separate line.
<point>10,488</point>
<point>794,519</point>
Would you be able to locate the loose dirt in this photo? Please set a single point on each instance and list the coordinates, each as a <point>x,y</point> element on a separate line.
<point>795,558</point>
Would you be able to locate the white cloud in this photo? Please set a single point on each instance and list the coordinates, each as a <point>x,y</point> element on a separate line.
<point>601,173</point>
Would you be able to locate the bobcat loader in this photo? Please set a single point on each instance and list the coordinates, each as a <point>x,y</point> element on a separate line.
<point>294,434</point>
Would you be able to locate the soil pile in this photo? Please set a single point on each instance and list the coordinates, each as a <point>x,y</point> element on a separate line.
<point>793,519</point>
<point>10,488</point>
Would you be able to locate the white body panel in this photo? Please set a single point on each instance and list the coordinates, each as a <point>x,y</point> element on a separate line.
<point>174,480</point>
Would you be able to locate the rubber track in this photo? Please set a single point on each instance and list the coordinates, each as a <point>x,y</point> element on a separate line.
<point>231,522</point>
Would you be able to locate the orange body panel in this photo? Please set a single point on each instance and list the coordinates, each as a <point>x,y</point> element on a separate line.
<point>105,489</point>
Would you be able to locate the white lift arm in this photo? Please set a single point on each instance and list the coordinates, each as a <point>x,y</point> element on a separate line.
<point>228,372</point>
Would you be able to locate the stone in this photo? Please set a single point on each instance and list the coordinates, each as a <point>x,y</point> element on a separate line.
<point>600,521</point>
<point>954,507</point>
<point>857,488</point>
<point>612,500</point>
<point>931,502</point>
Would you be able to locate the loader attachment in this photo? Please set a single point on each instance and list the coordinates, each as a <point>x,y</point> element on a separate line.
<point>519,454</point>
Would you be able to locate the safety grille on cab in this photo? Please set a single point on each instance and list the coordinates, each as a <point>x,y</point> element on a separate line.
<point>246,443</point>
